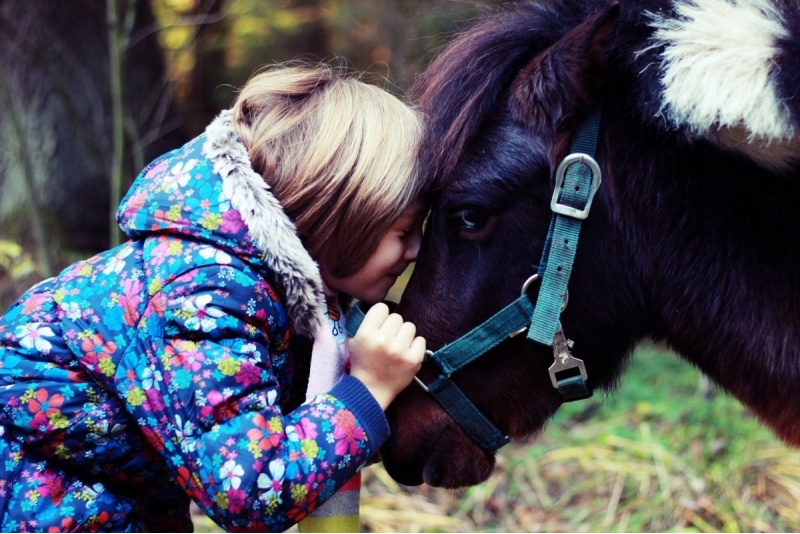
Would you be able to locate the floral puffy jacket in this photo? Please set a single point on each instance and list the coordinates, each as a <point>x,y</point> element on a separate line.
<point>172,367</point>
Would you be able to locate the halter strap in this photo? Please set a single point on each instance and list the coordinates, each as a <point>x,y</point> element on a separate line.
<point>512,319</point>
<point>577,180</point>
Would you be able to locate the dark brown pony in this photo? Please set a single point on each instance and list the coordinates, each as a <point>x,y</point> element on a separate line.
<point>694,236</point>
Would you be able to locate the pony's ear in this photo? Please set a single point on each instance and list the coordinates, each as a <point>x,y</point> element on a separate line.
<point>567,78</point>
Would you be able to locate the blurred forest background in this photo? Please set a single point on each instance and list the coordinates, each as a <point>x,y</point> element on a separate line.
<point>91,90</point>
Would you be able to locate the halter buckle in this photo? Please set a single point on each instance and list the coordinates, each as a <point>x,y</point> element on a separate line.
<point>561,172</point>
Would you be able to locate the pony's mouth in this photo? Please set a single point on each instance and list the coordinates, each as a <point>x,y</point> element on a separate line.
<point>442,457</point>
<point>442,474</point>
<point>449,469</point>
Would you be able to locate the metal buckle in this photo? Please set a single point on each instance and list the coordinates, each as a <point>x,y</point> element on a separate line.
<point>561,171</point>
<point>564,360</point>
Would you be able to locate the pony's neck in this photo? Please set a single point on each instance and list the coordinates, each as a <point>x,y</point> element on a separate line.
<point>722,276</point>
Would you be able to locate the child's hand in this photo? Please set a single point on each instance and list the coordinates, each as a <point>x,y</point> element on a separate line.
<point>385,353</point>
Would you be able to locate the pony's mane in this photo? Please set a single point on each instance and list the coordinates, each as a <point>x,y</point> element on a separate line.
<point>715,70</point>
<point>460,87</point>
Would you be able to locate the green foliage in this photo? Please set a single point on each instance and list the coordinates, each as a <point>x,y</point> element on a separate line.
<point>18,271</point>
<point>14,261</point>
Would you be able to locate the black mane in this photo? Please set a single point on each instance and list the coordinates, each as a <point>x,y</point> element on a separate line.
<point>478,65</point>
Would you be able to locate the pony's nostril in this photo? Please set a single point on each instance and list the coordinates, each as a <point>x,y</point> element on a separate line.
<point>405,475</point>
<point>456,462</point>
<point>442,475</point>
<point>432,476</point>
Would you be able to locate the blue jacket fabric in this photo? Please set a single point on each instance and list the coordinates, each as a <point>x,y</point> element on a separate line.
<point>168,368</point>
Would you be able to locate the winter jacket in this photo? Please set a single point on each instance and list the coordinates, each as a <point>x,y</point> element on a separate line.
<point>173,367</point>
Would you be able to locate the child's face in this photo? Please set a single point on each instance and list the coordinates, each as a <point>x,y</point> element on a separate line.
<point>397,249</point>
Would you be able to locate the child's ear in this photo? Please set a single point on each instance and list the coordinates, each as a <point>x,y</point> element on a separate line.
<point>567,78</point>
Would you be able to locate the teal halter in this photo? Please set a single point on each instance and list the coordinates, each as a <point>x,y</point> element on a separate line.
<point>577,180</point>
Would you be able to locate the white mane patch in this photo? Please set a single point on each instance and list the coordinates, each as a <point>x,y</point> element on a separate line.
<point>716,66</point>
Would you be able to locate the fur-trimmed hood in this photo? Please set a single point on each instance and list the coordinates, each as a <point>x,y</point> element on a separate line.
<point>207,190</point>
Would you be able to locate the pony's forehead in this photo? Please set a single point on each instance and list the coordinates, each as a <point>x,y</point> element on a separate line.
<point>458,91</point>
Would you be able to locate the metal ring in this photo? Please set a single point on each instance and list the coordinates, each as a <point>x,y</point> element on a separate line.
<point>533,279</point>
<point>428,356</point>
<point>421,383</point>
<point>528,283</point>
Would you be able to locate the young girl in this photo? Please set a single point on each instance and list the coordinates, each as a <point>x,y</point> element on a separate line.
<point>174,367</point>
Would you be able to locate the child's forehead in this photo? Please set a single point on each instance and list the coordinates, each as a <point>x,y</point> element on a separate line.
<point>414,210</point>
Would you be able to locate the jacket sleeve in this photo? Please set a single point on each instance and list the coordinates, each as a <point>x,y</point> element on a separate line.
<point>203,383</point>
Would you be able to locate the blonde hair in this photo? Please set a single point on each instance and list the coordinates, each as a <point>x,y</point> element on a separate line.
<point>338,153</point>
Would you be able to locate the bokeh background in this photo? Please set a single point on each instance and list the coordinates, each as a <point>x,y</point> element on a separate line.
<point>91,90</point>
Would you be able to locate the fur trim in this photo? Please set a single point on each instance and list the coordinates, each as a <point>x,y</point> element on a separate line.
<point>717,75</point>
<point>271,229</point>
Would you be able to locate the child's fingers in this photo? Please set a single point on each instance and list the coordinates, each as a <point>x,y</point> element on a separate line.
<point>375,316</point>
<point>391,326</point>
<point>418,347</point>
<point>405,335</point>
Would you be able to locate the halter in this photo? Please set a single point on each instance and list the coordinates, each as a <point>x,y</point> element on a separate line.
<point>577,180</point>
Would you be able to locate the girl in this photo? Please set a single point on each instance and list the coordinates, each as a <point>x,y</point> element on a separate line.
<point>175,365</point>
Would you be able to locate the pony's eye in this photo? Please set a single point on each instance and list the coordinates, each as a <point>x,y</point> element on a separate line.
<point>470,220</point>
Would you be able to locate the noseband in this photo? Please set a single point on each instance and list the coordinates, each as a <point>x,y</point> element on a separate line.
<point>577,180</point>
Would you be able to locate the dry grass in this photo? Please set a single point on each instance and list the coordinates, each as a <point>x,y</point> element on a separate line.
<point>680,459</point>
<point>615,485</point>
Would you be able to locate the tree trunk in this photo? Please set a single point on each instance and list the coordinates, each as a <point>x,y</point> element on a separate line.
<point>54,57</point>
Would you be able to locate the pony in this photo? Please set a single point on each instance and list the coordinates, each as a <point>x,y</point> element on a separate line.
<point>692,240</point>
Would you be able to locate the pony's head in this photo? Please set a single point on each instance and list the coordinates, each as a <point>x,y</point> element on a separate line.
<point>672,228</point>
<point>503,102</point>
